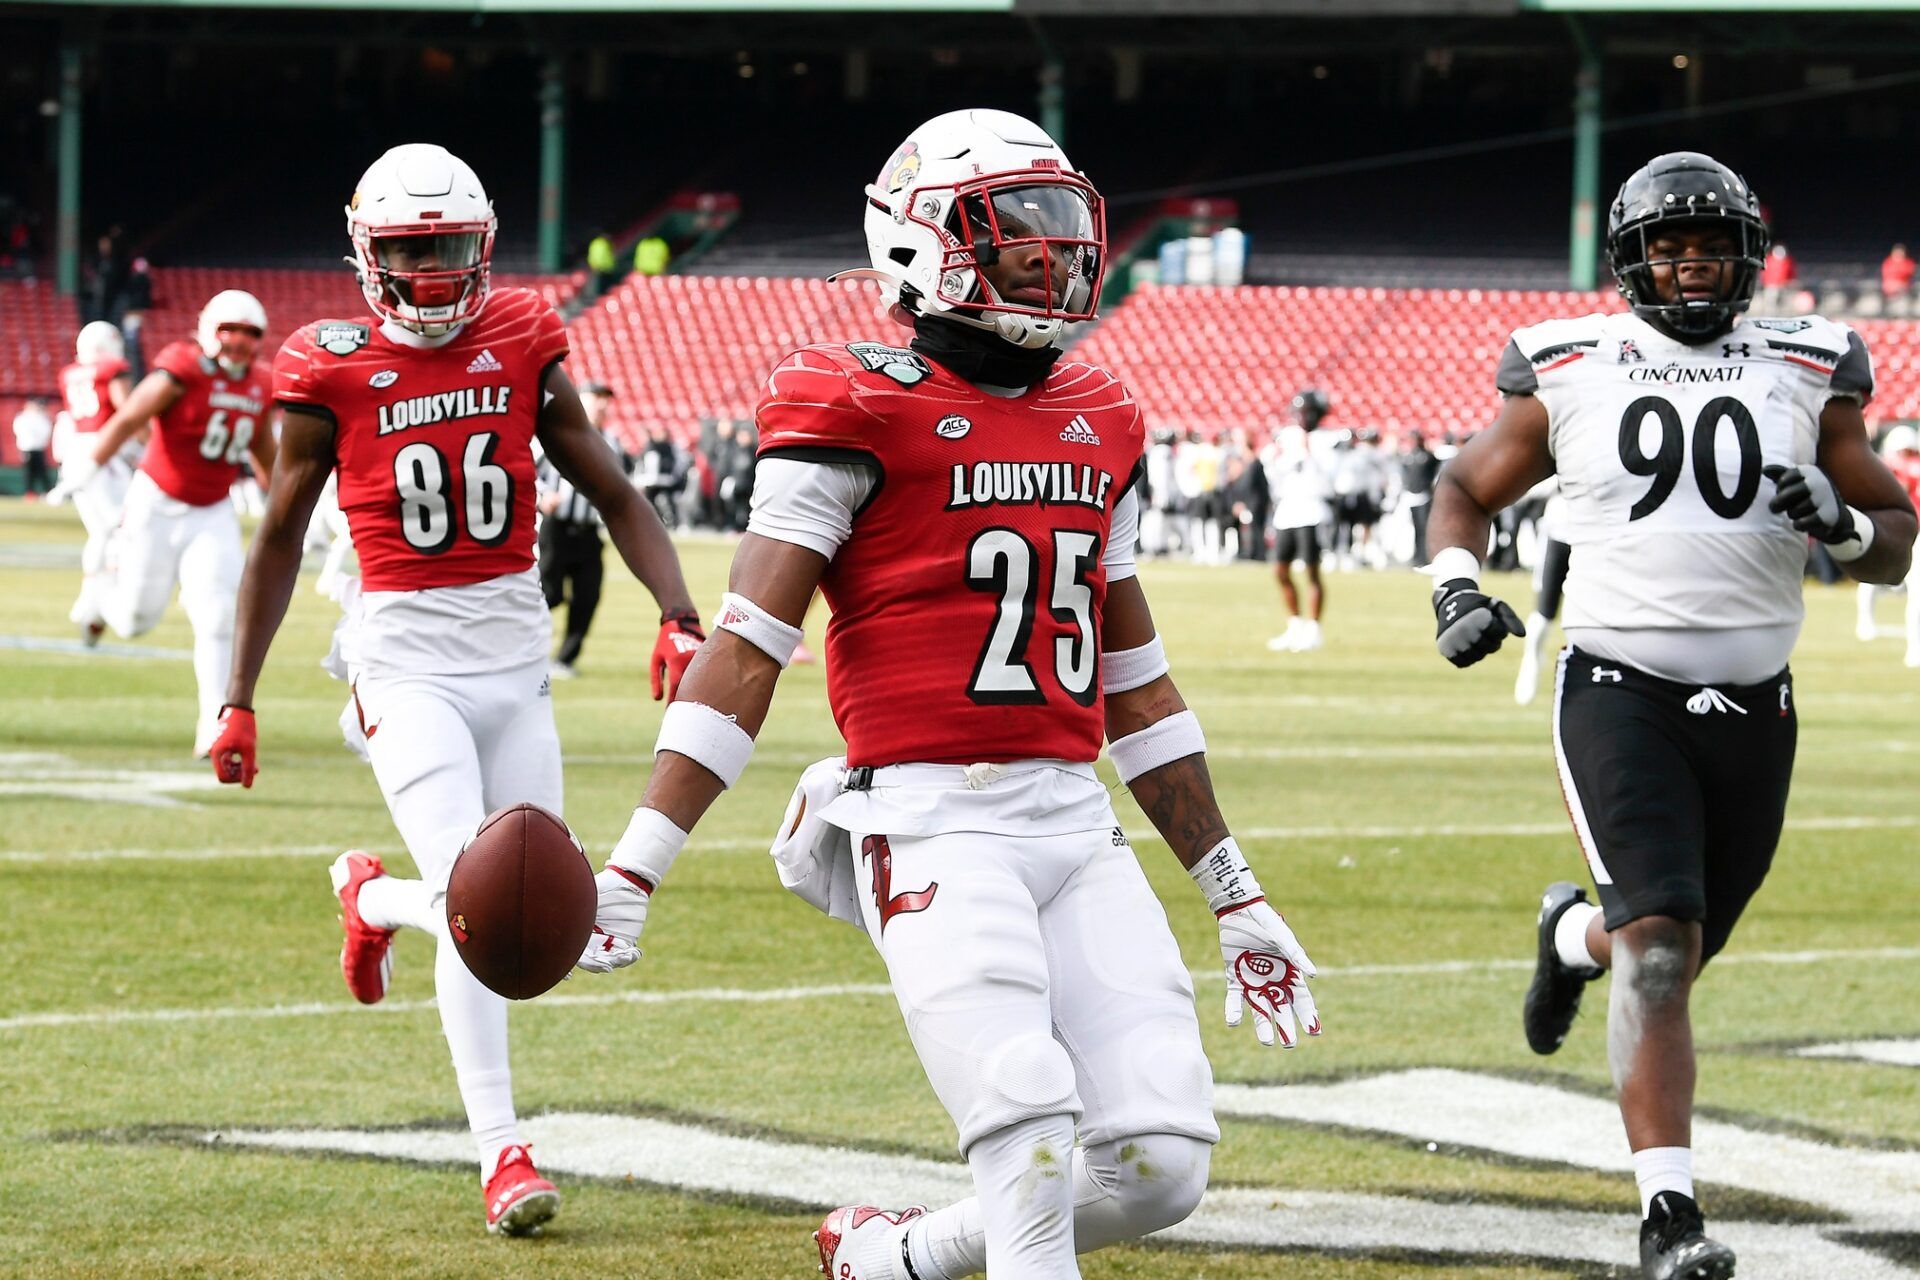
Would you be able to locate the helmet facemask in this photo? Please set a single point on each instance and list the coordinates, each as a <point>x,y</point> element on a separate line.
<point>428,278</point>
<point>1022,254</point>
<point>1632,259</point>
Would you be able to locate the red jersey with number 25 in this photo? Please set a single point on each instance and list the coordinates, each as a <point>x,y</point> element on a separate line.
<point>87,390</point>
<point>199,443</point>
<point>434,444</point>
<point>967,600</point>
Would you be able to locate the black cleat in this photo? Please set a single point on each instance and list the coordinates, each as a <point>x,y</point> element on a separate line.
<point>1674,1244</point>
<point>1553,997</point>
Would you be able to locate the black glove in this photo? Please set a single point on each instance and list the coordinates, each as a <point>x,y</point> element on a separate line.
<point>1808,499</point>
<point>1472,623</point>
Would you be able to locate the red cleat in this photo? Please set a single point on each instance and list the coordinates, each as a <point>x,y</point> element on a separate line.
<point>366,957</point>
<point>519,1200</point>
<point>844,1235</point>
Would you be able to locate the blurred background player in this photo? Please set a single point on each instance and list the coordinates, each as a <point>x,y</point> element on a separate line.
<point>429,418</point>
<point>1901,450</point>
<point>1674,722</point>
<point>96,384</point>
<point>1044,993</point>
<point>1549,581</point>
<point>33,437</point>
<point>1299,488</point>
<point>209,405</point>
<point>572,564</point>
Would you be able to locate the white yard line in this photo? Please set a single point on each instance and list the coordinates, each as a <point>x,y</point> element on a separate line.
<point>1540,1122</point>
<point>568,997</point>
<point>107,649</point>
<point>663,1153</point>
<point>1892,1053</point>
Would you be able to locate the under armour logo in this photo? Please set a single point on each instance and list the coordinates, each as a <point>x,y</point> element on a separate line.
<point>1727,349</point>
<point>1603,674</point>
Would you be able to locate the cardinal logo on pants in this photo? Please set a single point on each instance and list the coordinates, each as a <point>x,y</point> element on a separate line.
<point>889,903</point>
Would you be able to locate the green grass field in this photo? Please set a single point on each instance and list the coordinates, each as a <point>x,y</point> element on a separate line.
<point>171,970</point>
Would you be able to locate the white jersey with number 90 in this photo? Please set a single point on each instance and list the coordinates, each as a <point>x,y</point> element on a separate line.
<point>1659,448</point>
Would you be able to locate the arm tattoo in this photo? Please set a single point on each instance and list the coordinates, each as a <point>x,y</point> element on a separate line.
<point>1178,799</point>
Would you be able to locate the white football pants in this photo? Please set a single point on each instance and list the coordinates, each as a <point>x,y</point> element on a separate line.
<point>163,542</point>
<point>447,751</point>
<point>1041,986</point>
<point>98,505</point>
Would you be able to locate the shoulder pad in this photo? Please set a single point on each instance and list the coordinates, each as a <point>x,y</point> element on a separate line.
<point>809,402</point>
<point>1542,348</point>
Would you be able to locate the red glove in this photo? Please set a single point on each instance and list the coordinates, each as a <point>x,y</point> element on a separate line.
<point>680,637</point>
<point>233,751</point>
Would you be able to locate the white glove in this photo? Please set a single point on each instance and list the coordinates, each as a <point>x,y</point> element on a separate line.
<point>617,923</point>
<point>1267,968</point>
<point>76,473</point>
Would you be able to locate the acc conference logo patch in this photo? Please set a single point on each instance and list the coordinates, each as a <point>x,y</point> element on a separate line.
<point>341,339</point>
<point>952,427</point>
<point>903,366</point>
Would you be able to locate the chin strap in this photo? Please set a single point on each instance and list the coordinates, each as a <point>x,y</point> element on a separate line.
<point>980,356</point>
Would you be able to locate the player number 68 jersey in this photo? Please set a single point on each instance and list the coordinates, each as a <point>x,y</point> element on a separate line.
<point>1660,447</point>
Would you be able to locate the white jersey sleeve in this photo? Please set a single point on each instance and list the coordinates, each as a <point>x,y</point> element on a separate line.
<point>809,504</point>
<point>1124,532</point>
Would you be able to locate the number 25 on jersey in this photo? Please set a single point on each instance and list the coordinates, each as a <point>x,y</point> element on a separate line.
<point>1004,564</point>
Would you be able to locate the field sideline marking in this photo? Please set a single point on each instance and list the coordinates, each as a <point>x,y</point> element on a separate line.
<point>689,1157</point>
<point>773,995</point>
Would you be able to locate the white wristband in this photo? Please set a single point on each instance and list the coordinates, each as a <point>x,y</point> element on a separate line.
<point>1856,546</point>
<point>1173,738</point>
<point>1126,669</point>
<point>758,628</point>
<point>648,846</point>
<point>1454,562</point>
<point>708,738</point>
<point>1224,876</point>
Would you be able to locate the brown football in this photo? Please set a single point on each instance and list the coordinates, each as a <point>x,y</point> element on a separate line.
<point>521,901</point>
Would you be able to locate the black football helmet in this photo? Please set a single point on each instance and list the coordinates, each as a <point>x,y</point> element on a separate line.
<point>1310,405</point>
<point>1685,188</point>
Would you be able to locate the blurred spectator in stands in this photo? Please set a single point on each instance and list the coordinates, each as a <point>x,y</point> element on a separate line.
<point>650,256</point>
<point>1160,523</point>
<point>1896,273</point>
<point>33,435</point>
<point>107,289</point>
<point>1418,470</point>
<point>139,302</point>
<point>1196,474</point>
<point>1248,498</point>
<point>663,469</point>
<point>601,262</point>
<point>1777,275</point>
<point>733,463</point>
<point>16,239</point>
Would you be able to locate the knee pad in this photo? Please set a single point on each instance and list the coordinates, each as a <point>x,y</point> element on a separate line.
<point>1023,1077</point>
<point>209,613</point>
<point>1161,1179</point>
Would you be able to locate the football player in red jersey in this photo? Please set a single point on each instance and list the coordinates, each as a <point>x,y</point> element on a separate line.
<point>428,413</point>
<point>208,403</point>
<point>966,505</point>
<point>97,382</point>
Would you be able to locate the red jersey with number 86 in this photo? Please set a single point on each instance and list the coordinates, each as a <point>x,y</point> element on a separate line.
<point>967,599</point>
<point>199,443</point>
<point>434,444</point>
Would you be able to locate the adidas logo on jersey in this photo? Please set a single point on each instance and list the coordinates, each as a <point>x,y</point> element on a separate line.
<point>1079,431</point>
<point>484,363</point>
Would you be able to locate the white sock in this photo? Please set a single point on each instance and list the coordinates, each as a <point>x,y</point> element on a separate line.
<point>474,1021</point>
<point>1570,936</point>
<point>1112,1201</point>
<point>1659,1169</point>
<point>388,902</point>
